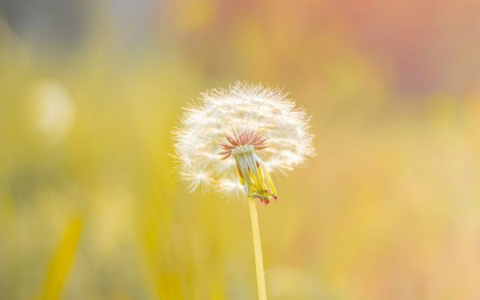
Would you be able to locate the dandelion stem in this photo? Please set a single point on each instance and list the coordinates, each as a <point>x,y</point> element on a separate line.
<point>257,246</point>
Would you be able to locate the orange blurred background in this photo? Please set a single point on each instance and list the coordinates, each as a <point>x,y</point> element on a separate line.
<point>90,207</point>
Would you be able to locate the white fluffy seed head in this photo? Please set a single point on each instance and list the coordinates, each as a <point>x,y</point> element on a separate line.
<point>226,112</point>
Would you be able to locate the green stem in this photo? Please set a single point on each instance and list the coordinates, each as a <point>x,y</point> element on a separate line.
<point>257,246</point>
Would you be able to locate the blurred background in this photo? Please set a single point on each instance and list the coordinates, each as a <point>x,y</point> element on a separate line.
<point>90,207</point>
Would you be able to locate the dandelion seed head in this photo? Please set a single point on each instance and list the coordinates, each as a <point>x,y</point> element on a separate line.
<point>244,130</point>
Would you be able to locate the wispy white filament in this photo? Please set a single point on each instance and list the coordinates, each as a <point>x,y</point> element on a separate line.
<point>240,107</point>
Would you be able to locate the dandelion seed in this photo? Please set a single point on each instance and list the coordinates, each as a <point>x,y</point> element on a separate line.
<point>248,131</point>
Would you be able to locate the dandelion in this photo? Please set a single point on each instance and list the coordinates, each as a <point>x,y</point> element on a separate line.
<point>241,134</point>
<point>230,140</point>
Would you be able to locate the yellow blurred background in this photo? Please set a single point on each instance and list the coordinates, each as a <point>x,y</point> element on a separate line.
<point>90,207</point>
